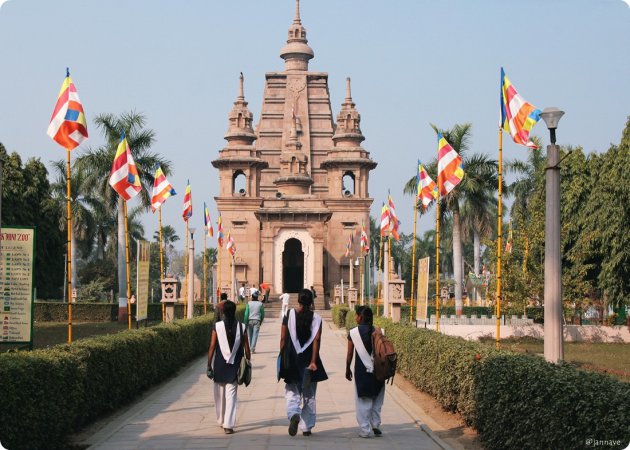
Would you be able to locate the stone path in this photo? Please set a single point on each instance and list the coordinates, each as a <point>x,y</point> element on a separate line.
<point>180,413</point>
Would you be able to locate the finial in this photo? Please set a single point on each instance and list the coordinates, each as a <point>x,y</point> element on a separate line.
<point>297,13</point>
<point>241,94</point>
<point>348,93</point>
<point>67,72</point>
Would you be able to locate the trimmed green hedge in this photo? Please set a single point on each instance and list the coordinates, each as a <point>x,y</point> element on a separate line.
<point>339,314</point>
<point>52,393</point>
<point>514,401</point>
<point>101,312</point>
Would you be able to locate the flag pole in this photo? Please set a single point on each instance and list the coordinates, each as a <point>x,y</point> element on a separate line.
<point>361,284</point>
<point>413,258</point>
<point>379,286</point>
<point>205,283</point>
<point>127,264</point>
<point>499,233</point>
<point>437,266</point>
<point>186,272</point>
<point>161,257</point>
<point>69,243</point>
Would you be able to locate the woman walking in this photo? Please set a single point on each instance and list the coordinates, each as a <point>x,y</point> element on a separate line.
<point>301,333</point>
<point>370,392</point>
<point>223,364</point>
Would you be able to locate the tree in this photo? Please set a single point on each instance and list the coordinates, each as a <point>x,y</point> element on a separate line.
<point>27,201</point>
<point>97,164</point>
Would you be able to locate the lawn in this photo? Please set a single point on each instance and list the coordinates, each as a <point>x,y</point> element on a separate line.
<point>607,358</point>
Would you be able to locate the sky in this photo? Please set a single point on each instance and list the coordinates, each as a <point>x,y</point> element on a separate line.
<point>412,63</point>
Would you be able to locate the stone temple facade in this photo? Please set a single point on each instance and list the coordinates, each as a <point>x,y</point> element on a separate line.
<point>294,189</point>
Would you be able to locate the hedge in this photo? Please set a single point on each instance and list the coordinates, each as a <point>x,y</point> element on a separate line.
<point>54,392</point>
<point>514,401</point>
<point>101,312</point>
<point>339,314</point>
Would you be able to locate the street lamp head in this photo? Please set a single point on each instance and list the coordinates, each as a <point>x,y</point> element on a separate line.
<point>552,116</point>
<point>192,230</point>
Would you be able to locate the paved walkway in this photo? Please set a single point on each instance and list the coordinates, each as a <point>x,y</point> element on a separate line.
<point>180,413</point>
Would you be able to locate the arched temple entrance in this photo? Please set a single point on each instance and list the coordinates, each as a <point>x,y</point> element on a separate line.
<point>292,266</point>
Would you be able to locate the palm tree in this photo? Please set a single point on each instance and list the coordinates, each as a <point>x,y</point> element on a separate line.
<point>97,164</point>
<point>169,235</point>
<point>480,179</point>
<point>81,204</point>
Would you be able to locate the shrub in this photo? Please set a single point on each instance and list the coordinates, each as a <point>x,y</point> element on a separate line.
<point>339,314</point>
<point>54,392</point>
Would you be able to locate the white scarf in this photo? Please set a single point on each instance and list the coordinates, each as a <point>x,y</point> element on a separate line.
<point>366,358</point>
<point>315,324</point>
<point>224,346</point>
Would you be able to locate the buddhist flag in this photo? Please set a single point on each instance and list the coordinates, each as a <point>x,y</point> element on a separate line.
<point>231,245</point>
<point>517,116</point>
<point>384,220</point>
<point>124,176</point>
<point>220,231</point>
<point>187,212</point>
<point>207,221</point>
<point>393,218</point>
<point>365,244</point>
<point>349,244</point>
<point>450,170</point>
<point>427,189</point>
<point>68,126</point>
<point>162,189</point>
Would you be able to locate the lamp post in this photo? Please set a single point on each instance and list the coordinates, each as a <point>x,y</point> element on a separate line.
<point>553,346</point>
<point>191,273</point>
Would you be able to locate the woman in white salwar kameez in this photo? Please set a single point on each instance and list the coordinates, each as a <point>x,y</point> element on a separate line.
<point>369,392</point>
<point>231,335</point>
<point>301,333</point>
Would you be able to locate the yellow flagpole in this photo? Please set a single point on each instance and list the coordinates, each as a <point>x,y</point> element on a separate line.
<point>437,265</point>
<point>186,272</point>
<point>218,268</point>
<point>205,284</point>
<point>413,258</point>
<point>499,232</point>
<point>128,266</point>
<point>69,244</point>
<point>161,257</point>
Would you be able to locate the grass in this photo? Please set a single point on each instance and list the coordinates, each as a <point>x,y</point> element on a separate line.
<point>613,358</point>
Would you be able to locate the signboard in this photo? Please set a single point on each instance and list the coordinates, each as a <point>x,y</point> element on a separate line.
<point>17,257</point>
<point>142,289</point>
<point>423,288</point>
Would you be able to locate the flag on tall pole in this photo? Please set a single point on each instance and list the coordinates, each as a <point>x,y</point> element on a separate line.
<point>517,116</point>
<point>162,189</point>
<point>393,218</point>
<point>384,220</point>
<point>207,221</point>
<point>68,125</point>
<point>365,244</point>
<point>349,244</point>
<point>427,189</point>
<point>220,231</point>
<point>124,176</point>
<point>450,170</point>
<point>188,211</point>
<point>68,128</point>
<point>230,245</point>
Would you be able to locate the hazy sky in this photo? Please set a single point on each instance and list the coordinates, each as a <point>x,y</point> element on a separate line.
<point>412,63</point>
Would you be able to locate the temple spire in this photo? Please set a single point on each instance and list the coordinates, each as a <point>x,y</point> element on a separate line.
<point>348,93</point>
<point>241,92</point>
<point>297,20</point>
<point>240,131</point>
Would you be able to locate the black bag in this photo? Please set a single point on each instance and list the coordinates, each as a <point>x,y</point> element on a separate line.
<point>244,373</point>
<point>283,363</point>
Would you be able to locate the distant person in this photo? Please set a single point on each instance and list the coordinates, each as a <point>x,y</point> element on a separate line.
<point>284,298</point>
<point>314,293</point>
<point>265,288</point>
<point>241,293</point>
<point>369,392</point>
<point>231,337</point>
<point>254,317</point>
<point>302,331</point>
<point>252,290</point>
<point>218,312</point>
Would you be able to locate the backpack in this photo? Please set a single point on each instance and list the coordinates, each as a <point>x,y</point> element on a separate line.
<point>385,357</point>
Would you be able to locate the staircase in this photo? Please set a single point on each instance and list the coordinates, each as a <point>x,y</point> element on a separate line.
<point>273,306</point>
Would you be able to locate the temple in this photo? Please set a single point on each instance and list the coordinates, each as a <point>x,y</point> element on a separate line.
<point>293,190</point>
